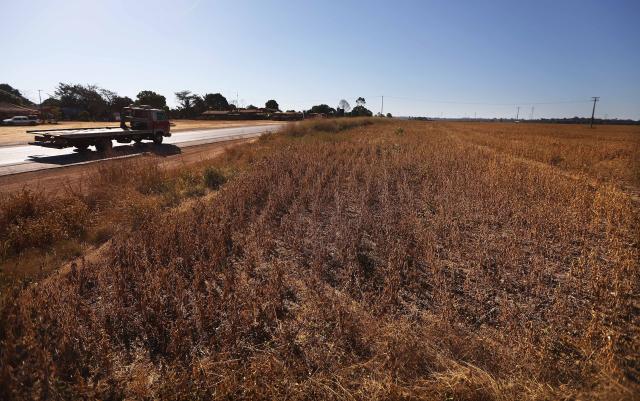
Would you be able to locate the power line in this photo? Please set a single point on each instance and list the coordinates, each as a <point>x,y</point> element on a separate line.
<point>488,103</point>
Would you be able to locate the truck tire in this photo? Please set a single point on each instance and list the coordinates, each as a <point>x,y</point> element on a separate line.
<point>104,146</point>
<point>82,148</point>
<point>157,138</point>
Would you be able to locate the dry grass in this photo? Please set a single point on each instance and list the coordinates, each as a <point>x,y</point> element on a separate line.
<point>391,261</point>
<point>606,153</point>
<point>40,228</point>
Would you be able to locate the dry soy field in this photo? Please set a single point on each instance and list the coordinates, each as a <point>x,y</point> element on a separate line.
<point>342,260</point>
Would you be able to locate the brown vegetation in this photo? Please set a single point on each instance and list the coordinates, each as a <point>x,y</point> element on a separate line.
<point>608,153</point>
<point>403,260</point>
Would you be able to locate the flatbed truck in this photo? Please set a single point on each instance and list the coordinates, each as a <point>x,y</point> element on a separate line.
<point>144,123</point>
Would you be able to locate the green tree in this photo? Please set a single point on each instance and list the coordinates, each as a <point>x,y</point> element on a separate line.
<point>51,102</point>
<point>185,98</point>
<point>361,111</point>
<point>115,103</point>
<point>360,101</point>
<point>272,104</point>
<point>215,101</point>
<point>199,105</point>
<point>152,99</point>
<point>120,102</point>
<point>77,98</point>
<point>344,105</point>
<point>11,95</point>
<point>190,104</point>
<point>322,109</point>
<point>389,115</point>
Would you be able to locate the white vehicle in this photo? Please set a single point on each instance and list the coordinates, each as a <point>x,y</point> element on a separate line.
<point>19,120</point>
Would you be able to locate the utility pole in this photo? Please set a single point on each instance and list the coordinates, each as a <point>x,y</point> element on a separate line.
<point>532,108</point>
<point>382,107</point>
<point>518,113</point>
<point>593,112</point>
<point>40,104</point>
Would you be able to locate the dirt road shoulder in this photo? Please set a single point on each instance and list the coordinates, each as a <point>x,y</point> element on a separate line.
<point>52,179</point>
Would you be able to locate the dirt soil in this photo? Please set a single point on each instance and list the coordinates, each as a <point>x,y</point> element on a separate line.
<point>17,135</point>
<point>52,179</point>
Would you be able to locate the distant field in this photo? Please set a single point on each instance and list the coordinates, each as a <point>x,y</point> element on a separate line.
<point>17,135</point>
<point>351,259</point>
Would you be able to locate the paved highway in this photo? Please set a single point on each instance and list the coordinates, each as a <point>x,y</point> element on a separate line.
<point>19,159</point>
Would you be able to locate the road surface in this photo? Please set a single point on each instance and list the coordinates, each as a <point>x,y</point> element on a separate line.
<point>20,159</point>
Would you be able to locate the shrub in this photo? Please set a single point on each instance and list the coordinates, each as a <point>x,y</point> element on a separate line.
<point>213,178</point>
<point>84,116</point>
<point>30,220</point>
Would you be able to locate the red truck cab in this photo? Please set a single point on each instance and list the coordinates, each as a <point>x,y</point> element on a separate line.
<point>146,118</point>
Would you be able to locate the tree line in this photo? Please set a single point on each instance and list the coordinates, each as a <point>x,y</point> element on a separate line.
<point>344,109</point>
<point>91,102</point>
<point>191,105</point>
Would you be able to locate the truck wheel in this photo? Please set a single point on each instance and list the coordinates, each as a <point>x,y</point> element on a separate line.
<point>137,141</point>
<point>104,146</point>
<point>82,148</point>
<point>157,139</point>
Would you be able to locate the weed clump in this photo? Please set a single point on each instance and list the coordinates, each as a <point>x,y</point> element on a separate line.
<point>27,219</point>
<point>213,178</point>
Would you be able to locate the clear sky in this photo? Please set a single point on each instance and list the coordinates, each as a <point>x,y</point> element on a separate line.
<point>435,58</point>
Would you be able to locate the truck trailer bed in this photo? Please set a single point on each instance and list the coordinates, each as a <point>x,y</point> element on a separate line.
<point>82,138</point>
<point>80,133</point>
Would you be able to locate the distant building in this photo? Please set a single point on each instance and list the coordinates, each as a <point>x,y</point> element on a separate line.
<point>216,114</point>
<point>252,114</point>
<point>316,115</point>
<point>238,114</point>
<point>288,116</point>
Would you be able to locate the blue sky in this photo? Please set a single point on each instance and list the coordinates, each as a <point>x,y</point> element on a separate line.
<point>436,58</point>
